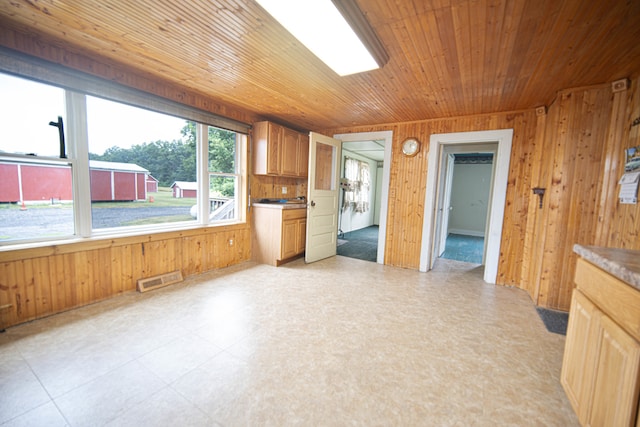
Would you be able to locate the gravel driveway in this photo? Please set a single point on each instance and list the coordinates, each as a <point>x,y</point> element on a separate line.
<point>58,220</point>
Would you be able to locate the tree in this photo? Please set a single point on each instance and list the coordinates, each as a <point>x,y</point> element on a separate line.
<point>222,156</point>
<point>176,160</point>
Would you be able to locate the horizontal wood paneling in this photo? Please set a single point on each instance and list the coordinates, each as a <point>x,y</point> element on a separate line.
<point>40,282</point>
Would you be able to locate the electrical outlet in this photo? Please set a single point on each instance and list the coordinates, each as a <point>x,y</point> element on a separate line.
<point>284,190</point>
<point>230,242</point>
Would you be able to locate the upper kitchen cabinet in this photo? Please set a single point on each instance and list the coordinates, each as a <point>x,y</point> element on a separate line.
<point>279,151</point>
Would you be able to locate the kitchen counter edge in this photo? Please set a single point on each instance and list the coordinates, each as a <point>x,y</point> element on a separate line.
<point>621,263</point>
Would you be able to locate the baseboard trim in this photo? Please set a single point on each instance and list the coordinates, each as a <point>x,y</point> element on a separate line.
<point>466,232</point>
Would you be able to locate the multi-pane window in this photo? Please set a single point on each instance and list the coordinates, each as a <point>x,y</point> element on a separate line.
<point>139,160</point>
<point>36,189</point>
<point>122,167</point>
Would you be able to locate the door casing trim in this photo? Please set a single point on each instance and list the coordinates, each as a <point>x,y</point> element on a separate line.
<point>504,138</point>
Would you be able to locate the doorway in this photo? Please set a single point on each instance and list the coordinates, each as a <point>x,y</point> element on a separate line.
<point>433,217</point>
<point>363,227</point>
<point>465,203</point>
<point>359,204</point>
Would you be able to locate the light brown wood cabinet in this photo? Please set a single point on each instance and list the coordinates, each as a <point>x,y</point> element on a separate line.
<point>601,365</point>
<point>279,235</point>
<point>280,151</point>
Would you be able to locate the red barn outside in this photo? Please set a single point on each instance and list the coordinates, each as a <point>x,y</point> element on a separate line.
<point>184,189</point>
<point>39,182</point>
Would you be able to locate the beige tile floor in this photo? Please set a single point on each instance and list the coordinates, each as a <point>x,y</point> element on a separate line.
<point>338,342</point>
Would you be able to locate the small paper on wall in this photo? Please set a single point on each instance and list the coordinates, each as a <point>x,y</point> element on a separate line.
<point>629,187</point>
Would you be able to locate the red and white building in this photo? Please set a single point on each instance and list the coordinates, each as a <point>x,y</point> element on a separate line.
<point>184,189</point>
<point>40,182</point>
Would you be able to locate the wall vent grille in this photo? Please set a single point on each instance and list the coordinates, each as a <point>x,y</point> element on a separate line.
<point>151,283</point>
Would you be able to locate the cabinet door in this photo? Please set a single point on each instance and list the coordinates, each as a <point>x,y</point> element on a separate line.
<point>301,236</point>
<point>290,148</point>
<point>303,156</point>
<point>274,148</point>
<point>289,229</point>
<point>615,390</point>
<point>580,354</point>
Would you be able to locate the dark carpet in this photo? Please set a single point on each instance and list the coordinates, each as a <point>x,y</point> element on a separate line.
<point>360,244</point>
<point>554,321</point>
<point>464,248</point>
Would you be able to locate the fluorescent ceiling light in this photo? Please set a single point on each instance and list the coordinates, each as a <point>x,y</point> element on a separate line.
<point>319,26</point>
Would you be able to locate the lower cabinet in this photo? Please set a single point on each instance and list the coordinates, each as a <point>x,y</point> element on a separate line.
<point>294,232</point>
<point>601,365</point>
<point>279,235</point>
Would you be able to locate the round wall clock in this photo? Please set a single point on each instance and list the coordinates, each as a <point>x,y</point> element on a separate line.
<point>410,147</point>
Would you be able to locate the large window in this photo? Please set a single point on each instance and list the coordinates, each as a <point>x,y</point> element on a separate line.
<point>114,168</point>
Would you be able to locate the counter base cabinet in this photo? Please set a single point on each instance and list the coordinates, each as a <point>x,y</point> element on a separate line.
<point>601,365</point>
<point>278,234</point>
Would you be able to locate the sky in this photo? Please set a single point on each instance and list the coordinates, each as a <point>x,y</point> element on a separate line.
<point>26,108</point>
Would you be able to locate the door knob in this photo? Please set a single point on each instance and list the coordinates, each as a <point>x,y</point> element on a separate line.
<point>313,203</point>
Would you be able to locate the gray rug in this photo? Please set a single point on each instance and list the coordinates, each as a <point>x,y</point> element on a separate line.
<point>554,321</point>
<point>360,244</point>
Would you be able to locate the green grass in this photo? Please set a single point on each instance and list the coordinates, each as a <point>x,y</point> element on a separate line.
<point>163,198</point>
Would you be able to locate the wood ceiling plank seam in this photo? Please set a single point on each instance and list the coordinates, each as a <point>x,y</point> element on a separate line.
<point>462,38</point>
<point>512,54</point>
<point>562,38</point>
<point>146,40</point>
<point>586,38</point>
<point>491,75</point>
<point>531,37</point>
<point>429,52</point>
<point>599,60</point>
<point>444,24</point>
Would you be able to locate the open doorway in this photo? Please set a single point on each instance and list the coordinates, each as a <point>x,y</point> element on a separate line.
<point>363,200</point>
<point>431,234</point>
<point>359,202</point>
<point>465,204</point>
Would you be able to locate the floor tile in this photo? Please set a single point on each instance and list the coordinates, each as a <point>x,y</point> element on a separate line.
<point>109,396</point>
<point>340,341</point>
<point>164,408</point>
<point>45,415</point>
<point>178,357</point>
<point>20,393</point>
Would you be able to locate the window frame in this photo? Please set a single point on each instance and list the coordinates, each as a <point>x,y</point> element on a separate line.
<point>77,86</point>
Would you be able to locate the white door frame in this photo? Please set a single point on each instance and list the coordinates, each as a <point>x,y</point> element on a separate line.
<point>504,139</point>
<point>387,136</point>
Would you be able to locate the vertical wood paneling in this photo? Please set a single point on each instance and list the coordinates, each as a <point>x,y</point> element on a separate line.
<point>534,237</point>
<point>618,225</point>
<point>575,152</point>
<point>37,286</point>
<point>408,176</point>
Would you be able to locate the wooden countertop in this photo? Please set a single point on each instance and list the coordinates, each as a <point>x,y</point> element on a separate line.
<point>621,263</point>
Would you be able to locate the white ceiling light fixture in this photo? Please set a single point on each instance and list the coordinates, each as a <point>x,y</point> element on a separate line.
<point>335,31</point>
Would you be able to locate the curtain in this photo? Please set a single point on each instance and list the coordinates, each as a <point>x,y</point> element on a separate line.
<point>356,185</point>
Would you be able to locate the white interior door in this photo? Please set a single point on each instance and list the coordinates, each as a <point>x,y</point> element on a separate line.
<point>322,197</point>
<point>446,203</point>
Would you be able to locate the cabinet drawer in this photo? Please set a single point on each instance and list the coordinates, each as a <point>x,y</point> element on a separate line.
<point>617,299</point>
<point>293,214</point>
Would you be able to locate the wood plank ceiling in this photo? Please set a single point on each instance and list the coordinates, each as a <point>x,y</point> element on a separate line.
<point>447,57</point>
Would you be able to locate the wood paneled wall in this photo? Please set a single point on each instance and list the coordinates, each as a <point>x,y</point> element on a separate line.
<point>263,186</point>
<point>408,185</point>
<point>38,282</point>
<point>575,151</point>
